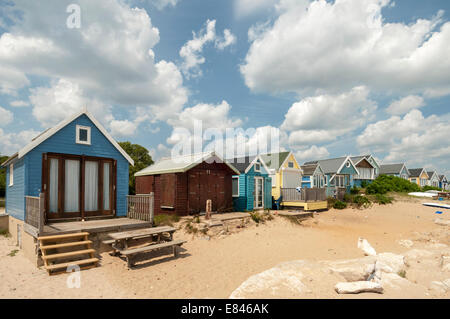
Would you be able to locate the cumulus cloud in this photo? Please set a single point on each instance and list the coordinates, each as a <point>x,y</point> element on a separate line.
<point>12,142</point>
<point>311,154</point>
<point>321,118</point>
<point>243,8</point>
<point>405,105</point>
<point>6,116</point>
<point>110,58</point>
<point>161,4</point>
<point>334,46</point>
<point>63,98</point>
<point>412,138</point>
<point>191,52</point>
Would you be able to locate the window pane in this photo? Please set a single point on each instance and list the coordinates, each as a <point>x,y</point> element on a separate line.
<point>83,135</point>
<point>53,187</point>
<point>91,186</point>
<point>106,185</point>
<point>72,186</point>
<point>235,187</point>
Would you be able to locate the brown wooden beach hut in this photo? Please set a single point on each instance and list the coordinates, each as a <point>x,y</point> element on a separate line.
<point>182,185</point>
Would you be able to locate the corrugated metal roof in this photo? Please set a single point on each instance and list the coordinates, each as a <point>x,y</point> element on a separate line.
<point>391,169</point>
<point>181,164</point>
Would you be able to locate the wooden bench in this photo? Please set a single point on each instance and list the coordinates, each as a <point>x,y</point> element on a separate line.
<point>129,253</point>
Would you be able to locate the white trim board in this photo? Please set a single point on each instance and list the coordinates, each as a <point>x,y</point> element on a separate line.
<point>66,122</point>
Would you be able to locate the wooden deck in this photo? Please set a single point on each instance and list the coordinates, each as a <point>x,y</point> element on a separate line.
<point>95,226</point>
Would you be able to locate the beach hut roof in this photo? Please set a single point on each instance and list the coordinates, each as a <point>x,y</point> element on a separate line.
<point>181,164</point>
<point>391,168</point>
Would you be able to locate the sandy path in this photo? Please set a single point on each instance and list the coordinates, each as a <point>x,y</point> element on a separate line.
<point>214,268</point>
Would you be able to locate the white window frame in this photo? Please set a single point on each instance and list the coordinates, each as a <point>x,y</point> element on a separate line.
<point>11,174</point>
<point>259,167</point>
<point>88,129</point>
<point>236,195</point>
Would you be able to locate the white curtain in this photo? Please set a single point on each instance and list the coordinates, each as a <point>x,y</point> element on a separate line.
<point>106,182</point>
<point>91,186</point>
<point>72,186</point>
<point>53,187</point>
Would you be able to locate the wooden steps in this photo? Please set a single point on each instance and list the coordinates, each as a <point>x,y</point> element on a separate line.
<point>62,251</point>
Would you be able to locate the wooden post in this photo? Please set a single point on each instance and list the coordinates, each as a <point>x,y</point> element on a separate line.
<point>208,209</point>
<point>41,217</point>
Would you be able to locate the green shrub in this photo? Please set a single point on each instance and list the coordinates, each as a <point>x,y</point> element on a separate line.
<point>339,205</point>
<point>331,201</point>
<point>348,198</point>
<point>257,218</point>
<point>430,188</point>
<point>383,199</point>
<point>354,190</point>
<point>165,220</point>
<point>384,184</point>
<point>361,201</point>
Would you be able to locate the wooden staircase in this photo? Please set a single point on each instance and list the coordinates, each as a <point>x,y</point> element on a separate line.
<point>62,251</point>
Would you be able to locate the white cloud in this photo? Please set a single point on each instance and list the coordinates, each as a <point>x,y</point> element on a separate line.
<point>210,115</point>
<point>63,98</point>
<point>19,103</point>
<point>243,8</point>
<point>191,52</point>
<point>228,39</point>
<point>405,105</point>
<point>334,46</point>
<point>325,117</point>
<point>415,139</point>
<point>122,128</point>
<point>311,154</point>
<point>11,142</point>
<point>5,116</point>
<point>110,58</point>
<point>161,4</point>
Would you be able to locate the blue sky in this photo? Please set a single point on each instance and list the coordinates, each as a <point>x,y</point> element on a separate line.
<point>334,78</point>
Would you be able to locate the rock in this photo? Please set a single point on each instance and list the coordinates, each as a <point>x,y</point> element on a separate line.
<point>358,287</point>
<point>354,269</point>
<point>390,263</point>
<point>406,243</point>
<point>439,287</point>
<point>442,222</point>
<point>282,281</point>
<point>364,245</point>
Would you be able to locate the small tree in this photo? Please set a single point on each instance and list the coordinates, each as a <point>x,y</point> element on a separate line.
<point>141,159</point>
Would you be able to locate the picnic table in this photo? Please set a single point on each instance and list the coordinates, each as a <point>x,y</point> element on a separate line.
<point>120,241</point>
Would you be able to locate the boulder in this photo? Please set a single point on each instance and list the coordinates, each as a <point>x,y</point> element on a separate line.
<point>358,287</point>
<point>354,269</point>
<point>282,281</point>
<point>364,245</point>
<point>442,222</point>
<point>390,263</point>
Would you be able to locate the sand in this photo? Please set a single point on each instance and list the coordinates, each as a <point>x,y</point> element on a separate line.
<point>215,267</point>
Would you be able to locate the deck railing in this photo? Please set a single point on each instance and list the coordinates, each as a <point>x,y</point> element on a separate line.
<point>141,207</point>
<point>34,212</point>
<point>304,195</point>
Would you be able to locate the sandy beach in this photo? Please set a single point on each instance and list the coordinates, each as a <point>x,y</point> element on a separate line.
<point>215,267</point>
